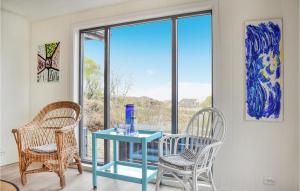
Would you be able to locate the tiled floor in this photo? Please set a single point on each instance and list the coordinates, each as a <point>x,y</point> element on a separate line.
<point>74,182</point>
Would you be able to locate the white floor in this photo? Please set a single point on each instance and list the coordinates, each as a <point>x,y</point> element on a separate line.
<point>74,182</point>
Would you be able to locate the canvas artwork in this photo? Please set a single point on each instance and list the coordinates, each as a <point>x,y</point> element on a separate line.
<point>264,70</point>
<point>48,62</point>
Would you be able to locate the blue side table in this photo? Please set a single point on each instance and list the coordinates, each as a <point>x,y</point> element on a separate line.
<point>143,172</point>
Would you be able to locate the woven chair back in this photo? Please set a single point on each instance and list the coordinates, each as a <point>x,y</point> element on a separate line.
<point>206,127</point>
<point>52,117</point>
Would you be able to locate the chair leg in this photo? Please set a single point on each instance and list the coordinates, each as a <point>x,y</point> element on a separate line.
<point>195,185</point>
<point>23,168</point>
<point>62,180</point>
<point>78,163</point>
<point>61,173</point>
<point>212,182</point>
<point>158,178</point>
<point>23,178</point>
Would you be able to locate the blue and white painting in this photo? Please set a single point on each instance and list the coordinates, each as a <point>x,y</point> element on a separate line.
<point>264,70</point>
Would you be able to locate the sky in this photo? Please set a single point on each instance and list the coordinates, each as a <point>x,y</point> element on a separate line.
<point>141,54</point>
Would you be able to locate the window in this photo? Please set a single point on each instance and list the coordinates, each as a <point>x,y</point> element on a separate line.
<point>92,89</point>
<point>149,64</point>
<point>136,78</point>
<point>194,67</point>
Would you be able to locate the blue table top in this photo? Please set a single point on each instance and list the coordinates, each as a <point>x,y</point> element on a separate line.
<point>139,137</point>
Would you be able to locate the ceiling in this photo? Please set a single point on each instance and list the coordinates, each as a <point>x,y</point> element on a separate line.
<point>43,9</point>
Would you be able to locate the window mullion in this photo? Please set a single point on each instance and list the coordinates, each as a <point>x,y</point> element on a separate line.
<point>106,91</point>
<point>174,76</point>
<point>82,151</point>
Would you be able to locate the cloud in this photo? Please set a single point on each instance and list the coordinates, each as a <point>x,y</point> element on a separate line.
<point>186,90</point>
<point>150,72</point>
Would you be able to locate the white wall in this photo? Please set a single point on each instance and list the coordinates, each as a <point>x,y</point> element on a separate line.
<point>14,80</point>
<point>253,150</point>
<point>1,153</point>
<point>258,149</point>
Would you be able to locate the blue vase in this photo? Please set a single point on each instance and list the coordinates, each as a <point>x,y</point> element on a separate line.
<point>129,117</point>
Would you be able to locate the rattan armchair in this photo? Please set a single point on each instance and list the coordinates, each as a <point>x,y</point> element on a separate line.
<point>189,156</point>
<point>49,139</point>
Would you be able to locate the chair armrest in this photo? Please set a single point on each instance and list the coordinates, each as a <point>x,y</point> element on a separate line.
<point>207,156</point>
<point>23,135</point>
<point>65,139</point>
<point>169,144</point>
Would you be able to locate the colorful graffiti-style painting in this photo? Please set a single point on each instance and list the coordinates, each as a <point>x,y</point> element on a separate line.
<point>264,70</point>
<point>48,62</point>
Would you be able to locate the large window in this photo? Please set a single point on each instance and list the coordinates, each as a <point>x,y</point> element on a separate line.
<point>136,78</point>
<point>194,67</point>
<point>162,66</point>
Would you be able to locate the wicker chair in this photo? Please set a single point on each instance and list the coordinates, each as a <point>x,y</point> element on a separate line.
<point>49,139</point>
<point>189,157</point>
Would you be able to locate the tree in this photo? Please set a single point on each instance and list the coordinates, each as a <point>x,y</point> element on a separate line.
<point>93,79</point>
<point>94,92</point>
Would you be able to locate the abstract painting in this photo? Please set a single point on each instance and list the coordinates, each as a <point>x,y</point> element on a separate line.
<point>264,70</point>
<point>48,62</point>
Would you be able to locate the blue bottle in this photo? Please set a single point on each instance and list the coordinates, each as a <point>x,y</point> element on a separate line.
<point>129,117</point>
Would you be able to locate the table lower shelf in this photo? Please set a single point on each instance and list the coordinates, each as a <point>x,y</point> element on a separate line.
<point>126,171</point>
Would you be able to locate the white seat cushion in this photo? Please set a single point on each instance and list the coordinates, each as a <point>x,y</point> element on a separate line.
<point>49,148</point>
<point>177,162</point>
<point>183,161</point>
